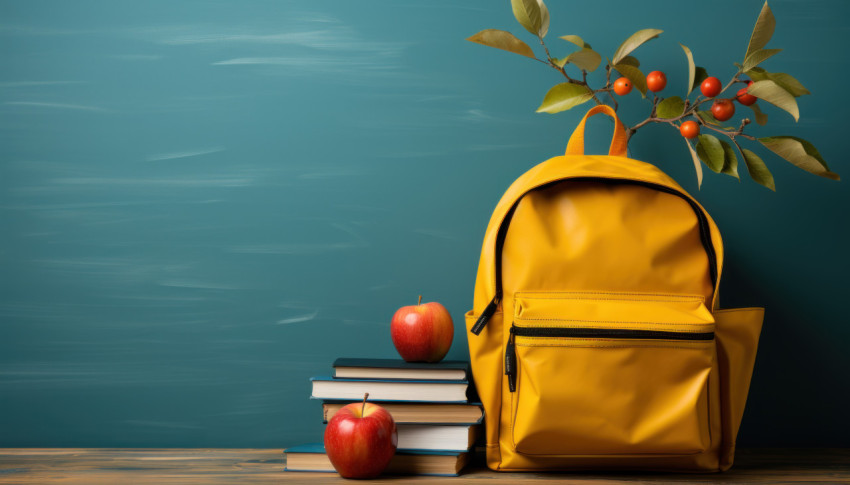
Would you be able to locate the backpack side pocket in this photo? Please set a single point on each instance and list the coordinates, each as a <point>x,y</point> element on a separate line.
<point>737,333</point>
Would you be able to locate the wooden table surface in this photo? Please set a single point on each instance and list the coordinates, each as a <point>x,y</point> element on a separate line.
<point>249,466</point>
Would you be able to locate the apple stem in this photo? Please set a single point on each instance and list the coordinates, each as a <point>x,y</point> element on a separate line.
<point>420,300</point>
<point>363,408</point>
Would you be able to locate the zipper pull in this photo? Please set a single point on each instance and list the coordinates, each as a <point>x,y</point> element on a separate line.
<point>510,361</point>
<point>485,315</point>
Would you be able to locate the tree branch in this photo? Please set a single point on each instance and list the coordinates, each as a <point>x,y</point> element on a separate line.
<point>691,110</point>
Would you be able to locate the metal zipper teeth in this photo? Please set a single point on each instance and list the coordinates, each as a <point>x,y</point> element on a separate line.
<point>609,333</point>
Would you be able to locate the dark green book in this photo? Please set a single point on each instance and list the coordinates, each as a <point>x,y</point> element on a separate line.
<point>355,368</point>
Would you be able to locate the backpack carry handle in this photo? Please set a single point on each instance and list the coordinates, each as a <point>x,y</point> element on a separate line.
<point>618,143</point>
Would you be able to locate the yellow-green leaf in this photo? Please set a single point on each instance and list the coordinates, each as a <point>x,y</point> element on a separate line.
<point>533,15</point>
<point>634,75</point>
<point>502,40</point>
<point>544,19</point>
<point>761,118</point>
<point>563,97</point>
<point>709,118</point>
<point>575,40</point>
<point>630,61</point>
<point>757,57</point>
<point>758,170</point>
<point>633,42</point>
<point>730,161</point>
<point>711,152</point>
<point>775,95</point>
<point>697,165</point>
<point>762,32</point>
<point>799,152</point>
<point>786,81</point>
<point>586,59</point>
<point>671,107</point>
<point>700,75</point>
<point>691,70</point>
<point>789,84</point>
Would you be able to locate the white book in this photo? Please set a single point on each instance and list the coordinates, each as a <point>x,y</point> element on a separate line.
<point>389,390</point>
<point>436,437</point>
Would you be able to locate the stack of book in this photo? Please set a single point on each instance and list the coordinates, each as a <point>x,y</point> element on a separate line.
<point>436,422</point>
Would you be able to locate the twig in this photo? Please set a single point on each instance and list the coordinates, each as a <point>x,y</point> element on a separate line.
<point>690,110</point>
<point>608,87</point>
<point>563,71</point>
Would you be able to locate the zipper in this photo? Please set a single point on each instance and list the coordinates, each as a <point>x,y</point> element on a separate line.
<point>617,333</point>
<point>704,232</point>
<point>486,314</point>
<point>510,360</point>
<point>579,332</point>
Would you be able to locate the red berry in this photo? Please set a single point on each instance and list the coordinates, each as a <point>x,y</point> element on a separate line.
<point>711,87</point>
<point>723,109</point>
<point>745,98</point>
<point>689,129</point>
<point>622,86</point>
<point>656,81</point>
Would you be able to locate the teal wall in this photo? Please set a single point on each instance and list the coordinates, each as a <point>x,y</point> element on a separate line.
<point>204,203</point>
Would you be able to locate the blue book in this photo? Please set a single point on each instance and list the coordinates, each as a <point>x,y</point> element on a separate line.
<point>390,390</point>
<point>312,458</point>
<point>354,368</point>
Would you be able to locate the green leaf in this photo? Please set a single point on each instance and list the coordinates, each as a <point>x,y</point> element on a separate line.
<point>634,41</point>
<point>709,118</point>
<point>630,61</point>
<point>700,75</point>
<point>786,81</point>
<point>691,70</point>
<point>811,150</point>
<point>697,165</point>
<point>671,107</point>
<point>789,84</point>
<point>634,75</point>
<point>730,161</point>
<point>575,40</point>
<point>544,19</point>
<point>757,57</point>
<point>502,40</point>
<point>775,95</point>
<point>529,14</point>
<point>761,118</point>
<point>799,152</point>
<point>586,59</point>
<point>757,169</point>
<point>711,152</point>
<point>563,97</point>
<point>762,32</point>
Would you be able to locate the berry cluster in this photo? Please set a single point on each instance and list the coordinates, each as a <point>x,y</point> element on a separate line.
<point>722,109</point>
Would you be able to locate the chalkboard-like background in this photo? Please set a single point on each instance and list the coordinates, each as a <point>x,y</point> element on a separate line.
<point>204,203</point>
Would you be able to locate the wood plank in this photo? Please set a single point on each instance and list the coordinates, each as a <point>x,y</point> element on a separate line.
<point>260,466</point>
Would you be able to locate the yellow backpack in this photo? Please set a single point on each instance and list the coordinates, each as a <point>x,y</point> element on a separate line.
<point>595,337</point>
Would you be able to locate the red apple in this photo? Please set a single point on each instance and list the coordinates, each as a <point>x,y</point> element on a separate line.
<point>360,440</point>
<point>422,333</point>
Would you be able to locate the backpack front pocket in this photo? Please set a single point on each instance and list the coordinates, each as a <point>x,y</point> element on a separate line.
<point>610,373</point>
